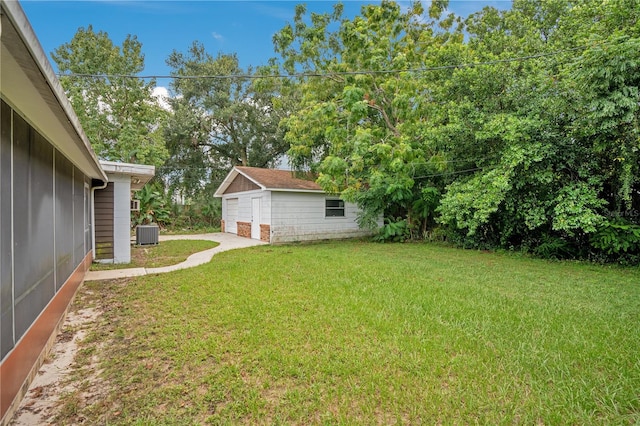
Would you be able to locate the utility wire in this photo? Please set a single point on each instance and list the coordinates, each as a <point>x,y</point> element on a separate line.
<point>327,74</point>
<point>187,166</point>
<point>448,173</point>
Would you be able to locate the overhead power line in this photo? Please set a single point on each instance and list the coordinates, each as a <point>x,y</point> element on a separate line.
<point>327,74</point>
<point>456,172</point>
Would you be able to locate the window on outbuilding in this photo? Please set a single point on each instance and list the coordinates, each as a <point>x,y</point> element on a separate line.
<point>333,207</point>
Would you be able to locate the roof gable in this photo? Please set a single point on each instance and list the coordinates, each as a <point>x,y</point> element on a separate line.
<point>268,180</point>
<point>241,184</point>
<point>278,179</point>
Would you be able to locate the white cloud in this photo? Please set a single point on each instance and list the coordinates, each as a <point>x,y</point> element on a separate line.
<point>162,97</point>
<point>217,36</point>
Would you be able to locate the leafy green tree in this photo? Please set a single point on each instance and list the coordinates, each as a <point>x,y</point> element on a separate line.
<point>562,131</point>
<point>365,124</point>
<point>119,115</point>
<point>572,114</point>
<point>218,121</point>
<point>523,135</point>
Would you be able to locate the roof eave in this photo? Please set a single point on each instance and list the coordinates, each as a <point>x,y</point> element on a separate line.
<point>235,172</point>
<point>140,174</point>
<point>225,183</point>
<point>25,89</point>
<point>317,191</point>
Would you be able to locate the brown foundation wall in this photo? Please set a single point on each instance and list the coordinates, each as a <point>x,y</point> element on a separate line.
<point>244,229</point>
<point>265,233</point>
<point>19,368</point>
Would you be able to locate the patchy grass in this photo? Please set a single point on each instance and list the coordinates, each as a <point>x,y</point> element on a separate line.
<point>164,254</point>
<point>361,333</point>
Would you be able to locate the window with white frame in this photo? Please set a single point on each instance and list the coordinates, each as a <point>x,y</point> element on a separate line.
<point>333,207</point>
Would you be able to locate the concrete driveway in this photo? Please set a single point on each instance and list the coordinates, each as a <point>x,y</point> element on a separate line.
<point>227,242</point>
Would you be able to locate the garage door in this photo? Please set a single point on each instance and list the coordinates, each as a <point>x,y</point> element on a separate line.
<point>230,223</point>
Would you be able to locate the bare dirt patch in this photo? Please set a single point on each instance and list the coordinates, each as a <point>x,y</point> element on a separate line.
<point>45,398</point>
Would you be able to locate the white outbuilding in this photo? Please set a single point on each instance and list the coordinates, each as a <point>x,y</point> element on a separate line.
<point>277,207</point>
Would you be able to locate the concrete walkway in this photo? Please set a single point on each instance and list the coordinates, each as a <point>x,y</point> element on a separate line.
<point>227,242</point>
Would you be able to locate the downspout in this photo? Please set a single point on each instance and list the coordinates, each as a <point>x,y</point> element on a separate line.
<point>93,217</point>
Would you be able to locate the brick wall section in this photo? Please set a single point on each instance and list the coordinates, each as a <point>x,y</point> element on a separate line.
<point>222,225</point>
<point>244,229</point>
<point>265,232</point>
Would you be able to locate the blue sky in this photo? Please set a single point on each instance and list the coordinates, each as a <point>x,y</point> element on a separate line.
<point>244,27</point>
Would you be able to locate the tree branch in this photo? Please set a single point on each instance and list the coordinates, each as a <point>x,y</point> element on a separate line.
<point>387,121</point>
<point>380,109</point>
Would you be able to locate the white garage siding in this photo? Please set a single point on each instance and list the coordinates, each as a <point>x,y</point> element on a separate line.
<point>299,216</point>
<point>231,215</point>
<point>237,208</point>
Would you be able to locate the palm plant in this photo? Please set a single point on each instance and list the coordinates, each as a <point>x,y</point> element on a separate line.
<point>153,206</point>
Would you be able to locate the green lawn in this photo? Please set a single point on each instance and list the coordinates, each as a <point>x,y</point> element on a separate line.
<point>155,256</point>
<point>362,333</point>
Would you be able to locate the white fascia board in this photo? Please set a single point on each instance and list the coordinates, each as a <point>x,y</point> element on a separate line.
<point>226,182</point>
<point>138,174</point>
<point>242,193</point>
<point>315,191</point>
<point>128,168</point>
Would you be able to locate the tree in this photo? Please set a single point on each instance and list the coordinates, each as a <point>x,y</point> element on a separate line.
<point>564,129</point>
<point>119,114</point>
<point>219,120</point>
<point>524,135</point>
<point>364,125</point>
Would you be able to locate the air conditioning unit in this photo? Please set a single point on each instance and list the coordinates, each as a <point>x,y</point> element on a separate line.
<point>135,205</point>
<point>147,234</point>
